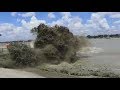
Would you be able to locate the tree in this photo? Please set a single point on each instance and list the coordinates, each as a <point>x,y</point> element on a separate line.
<point>59,37</point>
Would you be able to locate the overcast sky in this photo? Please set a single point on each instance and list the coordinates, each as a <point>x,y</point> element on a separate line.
<point>17,25</point>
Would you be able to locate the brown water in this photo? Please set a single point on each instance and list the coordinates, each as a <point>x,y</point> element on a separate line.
<point>110,56</point>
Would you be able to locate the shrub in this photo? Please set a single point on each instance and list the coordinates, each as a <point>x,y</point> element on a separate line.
<point>5,61</point>
<point>22,54</point>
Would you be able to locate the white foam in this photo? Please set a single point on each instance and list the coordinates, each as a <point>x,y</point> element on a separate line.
<point>90,50</point>
<point>95,50</point>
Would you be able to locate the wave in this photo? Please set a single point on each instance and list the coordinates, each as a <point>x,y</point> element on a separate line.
<point>89,50</point>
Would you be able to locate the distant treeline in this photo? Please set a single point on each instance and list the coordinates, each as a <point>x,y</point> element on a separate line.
<point>104,36</point>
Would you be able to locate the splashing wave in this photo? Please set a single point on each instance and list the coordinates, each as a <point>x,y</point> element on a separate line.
<point>90,50</point>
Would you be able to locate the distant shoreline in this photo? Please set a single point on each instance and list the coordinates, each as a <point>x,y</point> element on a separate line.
<point>104,38</point>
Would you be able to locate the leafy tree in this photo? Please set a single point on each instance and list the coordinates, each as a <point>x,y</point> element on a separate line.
<point>57,38</point>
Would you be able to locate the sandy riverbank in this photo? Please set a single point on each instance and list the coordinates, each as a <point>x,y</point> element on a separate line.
<point>12,73</point>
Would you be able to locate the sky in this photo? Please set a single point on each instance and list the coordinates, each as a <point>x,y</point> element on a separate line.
<point>17,25</point>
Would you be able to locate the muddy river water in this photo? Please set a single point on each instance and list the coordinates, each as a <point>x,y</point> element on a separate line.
<point>108,52</point>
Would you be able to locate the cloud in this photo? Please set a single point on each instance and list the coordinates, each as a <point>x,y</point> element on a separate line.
<point>51,15</point>
<point>6,26</point>
<point>11,32</point>
<point>18,20</point>
<point>116,15</point>
<point>97,24</point>
<point>13,13</point>
<point>34,22</point>
<point>65,15</point>
<point>74,23</point>
<point>28,14</point>
<point>110,14</point>
<point>114,27</point>
<point>63,20</point>
<point>116,22</point>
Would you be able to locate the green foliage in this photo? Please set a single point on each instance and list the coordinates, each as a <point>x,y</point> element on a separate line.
<point>22,55</point>
<point>51,54</point>
<point>50,51</point>
<point>57,42</point>
<point>5,61</point>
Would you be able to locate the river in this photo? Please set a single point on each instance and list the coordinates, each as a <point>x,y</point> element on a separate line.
<point>108,54</point>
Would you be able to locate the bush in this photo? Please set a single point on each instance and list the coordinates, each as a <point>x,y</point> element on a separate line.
<point>5,61</point>
<point>22,54</point>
